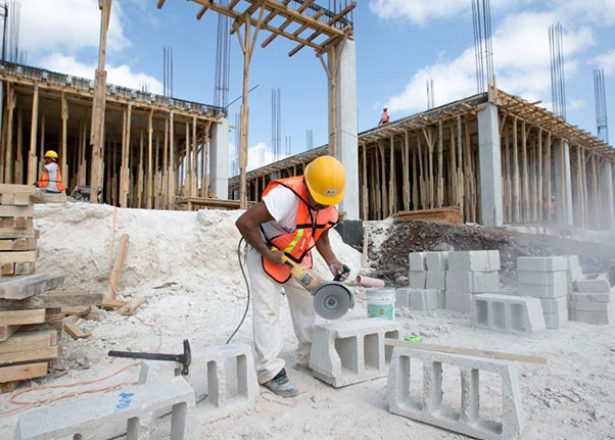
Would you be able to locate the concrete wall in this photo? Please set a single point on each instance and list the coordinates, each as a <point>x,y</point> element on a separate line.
<point>606,194</point>
<point>490,166</point>
<point>563,183</point>
<point>219,160</point>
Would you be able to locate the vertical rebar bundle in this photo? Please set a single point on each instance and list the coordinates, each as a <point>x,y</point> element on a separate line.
<point>276,123</point>
<point>483,44</point>
<point>167,71</point>
<point>602,123</point>
<point>431,97</point>
<point>10,38</point>
<point>309,139</point>
<point>223,57</point>
<point>558,80</point>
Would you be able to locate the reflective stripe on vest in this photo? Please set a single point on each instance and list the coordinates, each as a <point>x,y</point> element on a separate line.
<point>297,244</point>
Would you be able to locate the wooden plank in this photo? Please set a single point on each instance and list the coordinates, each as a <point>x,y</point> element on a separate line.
<point>74,330</point>
<point>112,304</point>
<point>17,244</point>
<point>450,214</point>
<point>52,299</point>
<point>23,372</point>
<point>7,331</point>
<point>11,232</point>
<point>76,310</point>
<point>22,317</point>
<point>30,341</point>
<point>117,266</point>
<point>18,269</point>
<point>6,188</point>
<point>468,352</point>
<point>32,355</point>
<point>17,257</point>
<point>24,287</point>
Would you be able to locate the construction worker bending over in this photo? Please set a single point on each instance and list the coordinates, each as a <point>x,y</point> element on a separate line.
<point>51,180</point>
<point>384,118</point>
<point>294,215</point>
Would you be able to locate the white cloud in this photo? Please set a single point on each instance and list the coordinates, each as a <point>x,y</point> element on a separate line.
<point>67,25</point>
<point>119,75</point>
<point>598,12</point>
<point>607,61</point>
<point>521,61</point>
<point>258,155</point>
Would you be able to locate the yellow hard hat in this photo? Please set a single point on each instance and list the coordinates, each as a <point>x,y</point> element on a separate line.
<point>52,154</point>
<point>326,180</point>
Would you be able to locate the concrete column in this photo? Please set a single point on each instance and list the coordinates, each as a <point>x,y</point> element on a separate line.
<point>606,193</point>
<point>563,183</point>
<point>219,160</point>
<point>347,146</point>
<point>490,166</point>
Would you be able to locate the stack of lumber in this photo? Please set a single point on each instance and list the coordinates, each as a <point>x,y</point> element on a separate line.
<point>449,214</point>
<point>32,309</point>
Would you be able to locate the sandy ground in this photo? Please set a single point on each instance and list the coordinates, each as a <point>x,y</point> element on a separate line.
<point>185,264</point>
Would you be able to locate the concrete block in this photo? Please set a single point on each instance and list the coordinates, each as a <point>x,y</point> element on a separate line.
<point>592,297</point>
<point>441,299</point>
<point>554,305</point>
<point>402,297</point>
<point>506,313</point>
<point>593,283</point>
<point>417,261</point>
<point>429,407</point>
<point>593,306</point>
<point>533,278</point>
<point>553,291</point>
<point>474,282</point>
<point>574,266</point>
<point>476,261</point>
<point>424,299</point>
<point>542,264</point>
<point>129,411</point>
<point>588,317</point>
<point>436,279</point>
<point>417,279</point>
<point>224,376</point>
<point>352,351</point>
<point>436,261</point>
<point>555,321</point>
<point>458,301</point>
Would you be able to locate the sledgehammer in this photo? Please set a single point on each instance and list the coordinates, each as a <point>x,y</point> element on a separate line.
<point>183,359</point>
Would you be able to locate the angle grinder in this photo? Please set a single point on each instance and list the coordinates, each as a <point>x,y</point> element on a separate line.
<point>332,299</point>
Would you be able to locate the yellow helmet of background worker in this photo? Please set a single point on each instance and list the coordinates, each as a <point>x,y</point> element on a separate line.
<point>326,180</point>
<point>52,154</point>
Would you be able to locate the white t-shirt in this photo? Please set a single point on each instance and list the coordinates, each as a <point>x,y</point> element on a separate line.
<point>283,205</point>
<point>52,170</point>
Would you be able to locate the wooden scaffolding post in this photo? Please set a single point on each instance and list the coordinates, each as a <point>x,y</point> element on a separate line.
<point>516,184</point>
<point>165,167</point>
<point>188,162</point>
<point>392,179</point>
<point>415,181</point>
<point>548,176</point>
<point>460,183</point>
<point>32,165</point>
<point>98,107</point>
<point>41,145</point>
<point>11,101</point>
<point>63,151</point>
<point>138,199</point>
<point>195,161</point>
<point>171,173</point>
<point>19,159</point>
<point>149,191</point>
<point>541,201</point>
<point>406,171</point>
<point>247,48</point>
<point>124,169</point>
<point>440,200</point>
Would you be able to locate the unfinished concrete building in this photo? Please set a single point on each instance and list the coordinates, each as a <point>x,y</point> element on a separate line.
<point>158,151</point>
<point>499,158</point>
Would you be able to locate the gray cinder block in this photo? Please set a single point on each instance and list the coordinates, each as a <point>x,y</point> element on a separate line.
<point>552,291</point>
<point>458,301</point>
<point>476,261</point>
<point>436,261</point>
<point>225,376</point>
<point>554,305</point>
<point>506,313</point>
<point>593,317</point>
<point>417,261</point>
<point>475,282</point>
<point>542,264</point>
<point>127,411</point>
<point>417,279</point>
<point>424,299</point>
<point>436,279</point>
<point>533,278</point>
<point>554,321</point>
<point>592,297</point>
<point>402,297</point>
<point>348,352</point>
<point>593,283</point>
<point>428,407</point>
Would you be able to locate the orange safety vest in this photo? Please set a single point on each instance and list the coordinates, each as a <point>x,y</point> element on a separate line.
<point>44,182</point>
<point>297,244</point>
<point>385,117</point>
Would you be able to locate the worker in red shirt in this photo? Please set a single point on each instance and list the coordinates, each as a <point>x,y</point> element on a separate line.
<point>384,119</point>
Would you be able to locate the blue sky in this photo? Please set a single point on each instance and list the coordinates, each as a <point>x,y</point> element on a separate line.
<point>400,44</point>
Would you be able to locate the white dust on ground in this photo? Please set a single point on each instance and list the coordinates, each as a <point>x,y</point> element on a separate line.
<point>185,264</point>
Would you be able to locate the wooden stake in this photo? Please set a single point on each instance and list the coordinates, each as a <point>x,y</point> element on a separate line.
<point>64,152</point>
<point>117,267</point>
<point>32,161</point>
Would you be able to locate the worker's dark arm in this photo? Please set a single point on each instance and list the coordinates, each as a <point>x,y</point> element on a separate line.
<point>248,224</point>
<point>323,245</point>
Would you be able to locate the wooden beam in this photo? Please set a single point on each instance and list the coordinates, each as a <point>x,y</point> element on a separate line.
<point>31,178</point>
<point>287,23</point>
<point>117,267</point>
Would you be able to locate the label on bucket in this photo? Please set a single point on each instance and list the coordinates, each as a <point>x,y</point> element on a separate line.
<point>384,311</point>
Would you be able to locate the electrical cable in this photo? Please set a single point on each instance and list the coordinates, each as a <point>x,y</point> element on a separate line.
<point>245,279</point>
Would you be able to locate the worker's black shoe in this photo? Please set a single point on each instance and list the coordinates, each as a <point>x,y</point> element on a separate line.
<point>281,386</point>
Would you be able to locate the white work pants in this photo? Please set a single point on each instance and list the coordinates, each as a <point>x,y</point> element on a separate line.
<point>265,318</point>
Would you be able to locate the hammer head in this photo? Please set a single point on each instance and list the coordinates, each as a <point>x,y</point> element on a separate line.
<point>185,358</point>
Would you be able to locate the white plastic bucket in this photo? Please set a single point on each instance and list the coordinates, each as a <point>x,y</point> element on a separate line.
<point>381,303</point>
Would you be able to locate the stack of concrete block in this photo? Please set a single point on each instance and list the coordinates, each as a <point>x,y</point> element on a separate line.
<point>418,299</point>
<point>592,301</point>
<point>546,278</point>
<point>574,271</point>
<point>507,313</point>
<point>470,273</point>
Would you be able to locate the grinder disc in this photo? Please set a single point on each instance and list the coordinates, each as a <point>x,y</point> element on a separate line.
<point>332,300</point>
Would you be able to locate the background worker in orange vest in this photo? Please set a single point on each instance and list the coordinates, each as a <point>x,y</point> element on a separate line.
<point>384,119</point>
<point>51,180</point>
<point>294,215</point>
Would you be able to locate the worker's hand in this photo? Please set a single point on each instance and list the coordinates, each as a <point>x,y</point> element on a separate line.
<point>275,256</point>
<point>337,268</point>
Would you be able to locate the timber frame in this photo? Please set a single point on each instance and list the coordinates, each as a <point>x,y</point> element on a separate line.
<point>431,160</point>
<point>152,144</point>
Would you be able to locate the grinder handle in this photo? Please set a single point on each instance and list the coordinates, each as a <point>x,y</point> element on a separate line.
<point>285,259</point>
<point>340,275</point>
